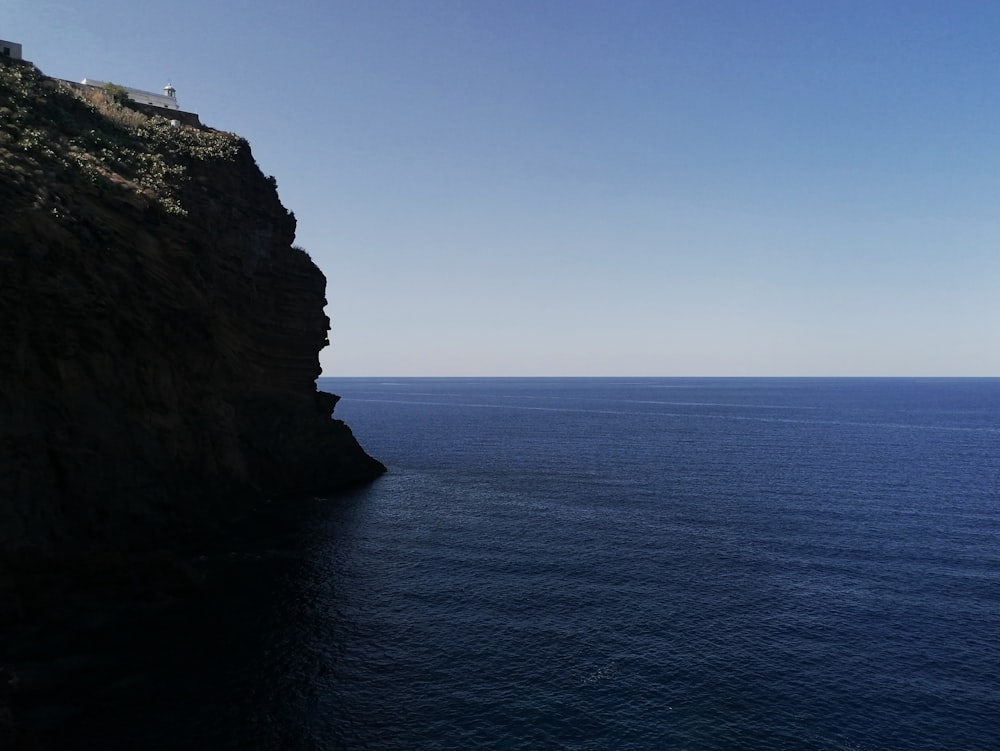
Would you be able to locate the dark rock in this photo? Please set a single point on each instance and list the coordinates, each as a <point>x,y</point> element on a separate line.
<point>159,337</point>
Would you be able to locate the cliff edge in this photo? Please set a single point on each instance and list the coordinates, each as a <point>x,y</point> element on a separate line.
<point>159,333</point>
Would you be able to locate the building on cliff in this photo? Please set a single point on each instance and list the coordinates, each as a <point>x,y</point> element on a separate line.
<point>167,100</point>
<point>164,105</point>
<point>10,49</point>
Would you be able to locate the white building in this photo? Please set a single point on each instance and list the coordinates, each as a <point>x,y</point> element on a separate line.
<point>167,100</point>
<point>10,49</point>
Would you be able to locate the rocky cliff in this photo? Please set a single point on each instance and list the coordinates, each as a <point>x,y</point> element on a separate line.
<point>159,333</point>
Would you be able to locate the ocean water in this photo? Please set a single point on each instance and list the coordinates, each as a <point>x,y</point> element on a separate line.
<point>605,564</point>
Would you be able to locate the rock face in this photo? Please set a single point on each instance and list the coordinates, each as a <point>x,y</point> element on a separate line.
<point>159,334</point>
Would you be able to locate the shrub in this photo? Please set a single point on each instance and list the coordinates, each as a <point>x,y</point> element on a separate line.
<point>117,94</point>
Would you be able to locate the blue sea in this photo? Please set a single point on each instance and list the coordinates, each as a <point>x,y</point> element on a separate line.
<point>608,564</point>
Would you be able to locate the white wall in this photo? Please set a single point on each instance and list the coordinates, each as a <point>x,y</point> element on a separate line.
<point>14,47</point>
<point>143,97</point>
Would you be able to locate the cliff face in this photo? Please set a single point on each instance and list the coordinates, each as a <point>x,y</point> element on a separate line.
<point>159,334</point>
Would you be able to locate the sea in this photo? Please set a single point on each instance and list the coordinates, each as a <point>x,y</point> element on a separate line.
<point>614,564</point>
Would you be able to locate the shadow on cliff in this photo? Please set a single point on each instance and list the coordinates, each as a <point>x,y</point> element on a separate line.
<point>159,337</point>
<point>160,332</point>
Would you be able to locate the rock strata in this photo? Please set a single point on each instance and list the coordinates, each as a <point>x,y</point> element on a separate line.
<point>159,332</point>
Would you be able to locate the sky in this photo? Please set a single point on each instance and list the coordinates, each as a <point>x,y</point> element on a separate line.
<point>603,188</point>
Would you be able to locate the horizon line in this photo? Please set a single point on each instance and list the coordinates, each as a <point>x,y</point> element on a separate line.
<point>688,377</point>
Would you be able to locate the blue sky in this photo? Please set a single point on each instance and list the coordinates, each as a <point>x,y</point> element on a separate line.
<point>574,187</point>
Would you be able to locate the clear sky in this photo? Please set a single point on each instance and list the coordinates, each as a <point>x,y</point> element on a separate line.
<point>571,187</point>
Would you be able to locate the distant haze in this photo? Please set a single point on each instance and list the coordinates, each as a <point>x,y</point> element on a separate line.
<point>604,188</point>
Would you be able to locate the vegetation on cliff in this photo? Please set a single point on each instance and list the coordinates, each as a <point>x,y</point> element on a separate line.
<point>50,126</point>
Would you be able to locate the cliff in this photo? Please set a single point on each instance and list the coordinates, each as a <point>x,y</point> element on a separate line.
<point>159,333</point>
